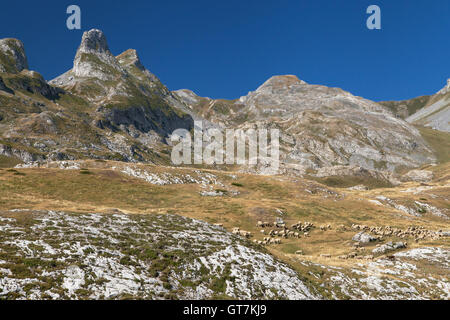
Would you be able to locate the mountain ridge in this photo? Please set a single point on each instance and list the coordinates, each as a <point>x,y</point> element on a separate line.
<point>430,111</point>
<point>321,126</point>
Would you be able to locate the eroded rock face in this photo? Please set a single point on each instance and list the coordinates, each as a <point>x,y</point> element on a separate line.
<point>110,256</point>
<point>418,176</point>
<point>94,41</point>
<point>126,95</point>
<point>322,126</point>
<point>130,58</point>
<point>33,82</point>
<point>21,154</point>
<point>390,246</point>
<point>94,59</point>
<point>363,237</point>
<point>12,56</point>
<point>146,120</point>
<point>400,277</point>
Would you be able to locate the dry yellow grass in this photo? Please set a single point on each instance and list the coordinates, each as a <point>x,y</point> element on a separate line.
<point>259,198</point>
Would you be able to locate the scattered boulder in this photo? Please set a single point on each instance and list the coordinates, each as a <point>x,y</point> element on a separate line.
<point>390,246</point>
<point>359,187</point>
<point>363,237</point>
<point>212,193</point>
<point>418,176</point>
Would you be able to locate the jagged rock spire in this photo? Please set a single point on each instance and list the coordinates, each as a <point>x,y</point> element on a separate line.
<point>130,57</point>
<point>94,59</point>
<point>94,41</point>
<point>12,56</point>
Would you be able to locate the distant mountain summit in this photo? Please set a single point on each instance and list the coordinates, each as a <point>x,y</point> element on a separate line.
<point>320,126</point>
<point>280,82</point>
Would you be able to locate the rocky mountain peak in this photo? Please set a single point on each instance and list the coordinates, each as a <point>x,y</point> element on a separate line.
<point>130,57</point>
<point>281,82</point>
<point>94,41</point>
<point>94,59</point>
<point>12,56</point>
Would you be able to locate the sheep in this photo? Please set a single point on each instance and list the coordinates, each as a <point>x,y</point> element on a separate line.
<point>262,224</point>
<point>242,233</point>
<point>245,234</point>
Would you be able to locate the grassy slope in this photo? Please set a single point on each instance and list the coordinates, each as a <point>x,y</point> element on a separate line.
<point>8,162</point>
<point>259,198</point>
<point>439,141</point>
<point>100,189</point>
<point>412,105</point>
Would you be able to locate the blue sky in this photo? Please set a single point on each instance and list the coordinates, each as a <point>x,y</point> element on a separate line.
<point>223,49</point>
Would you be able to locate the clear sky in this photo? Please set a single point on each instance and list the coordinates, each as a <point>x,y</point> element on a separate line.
<point>223,49</point>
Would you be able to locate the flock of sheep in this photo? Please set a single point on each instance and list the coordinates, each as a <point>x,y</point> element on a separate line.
<point>418,233</point>
<point>279,230</point>
<point>274,235</point>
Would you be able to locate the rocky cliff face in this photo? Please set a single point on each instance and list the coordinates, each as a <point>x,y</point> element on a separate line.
<point>162,245</point>
<point>104,107</point>
<point>93,58</point>
<point>124,92</point>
